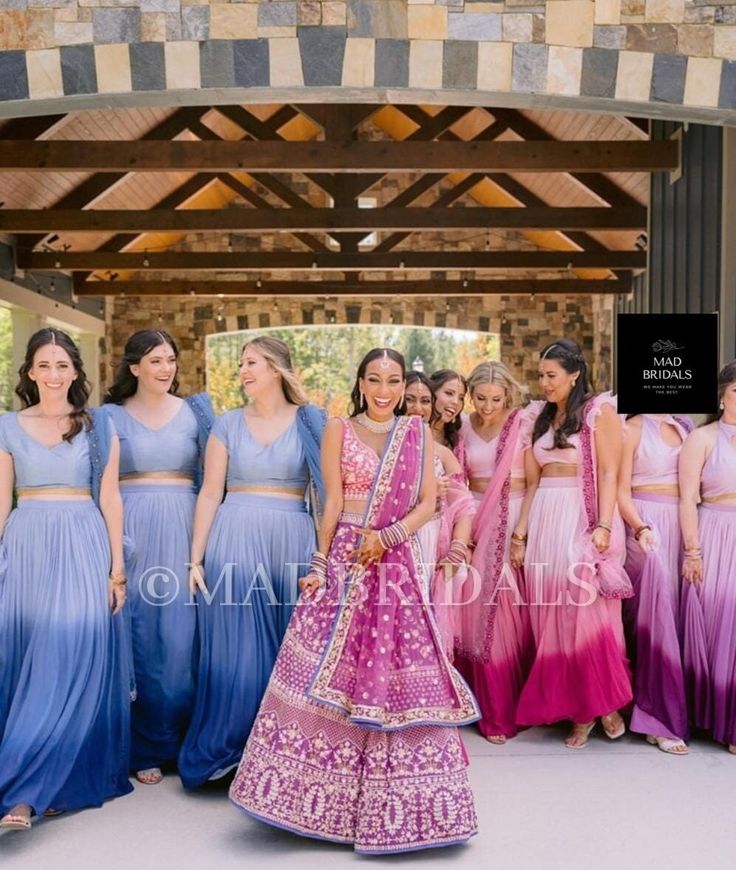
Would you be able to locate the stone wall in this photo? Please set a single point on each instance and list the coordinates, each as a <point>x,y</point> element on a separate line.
<point>668,57</point>
<point>525,324</point>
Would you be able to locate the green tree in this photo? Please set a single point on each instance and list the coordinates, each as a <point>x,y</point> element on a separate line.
<point>6,359</point>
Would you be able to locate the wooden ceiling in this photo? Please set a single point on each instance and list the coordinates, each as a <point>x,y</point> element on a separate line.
<point>266,200</point>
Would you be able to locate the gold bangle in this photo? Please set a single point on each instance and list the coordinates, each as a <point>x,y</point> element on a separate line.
<point>118,579</point>
<point>519,539</point>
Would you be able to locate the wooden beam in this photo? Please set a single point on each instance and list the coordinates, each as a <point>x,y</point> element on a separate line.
<point>187,261</point>
<point>267,218</point>
<point>180,287</point>
<point>280,156</point>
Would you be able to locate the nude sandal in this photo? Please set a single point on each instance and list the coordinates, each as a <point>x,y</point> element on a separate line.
<point>669,745</point>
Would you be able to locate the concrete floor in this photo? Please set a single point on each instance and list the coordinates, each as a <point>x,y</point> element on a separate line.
<point>622,806</point>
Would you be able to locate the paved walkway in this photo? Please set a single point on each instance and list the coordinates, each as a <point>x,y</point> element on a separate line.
<point>622,806</point>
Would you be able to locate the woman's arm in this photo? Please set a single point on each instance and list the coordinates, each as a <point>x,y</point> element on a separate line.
<point>330,453</point>
<point>631,516</point>
<point>111,508</point>
<point>608,445</point>
<point>532,473</point>
<point>208,500</point>
<point>7,481</point>
<point>693,456</point>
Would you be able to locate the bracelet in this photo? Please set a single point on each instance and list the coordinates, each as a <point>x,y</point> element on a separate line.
<point>641,530</point>
<point>393,535</point>
<point>519,539</point>
<point>118,579</point>
<point>199,564</point>
<point>458,552</point>
<point>601,525</point>
<point>318,565</point>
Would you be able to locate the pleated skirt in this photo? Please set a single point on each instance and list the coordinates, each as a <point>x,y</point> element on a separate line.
<point>66,677</point>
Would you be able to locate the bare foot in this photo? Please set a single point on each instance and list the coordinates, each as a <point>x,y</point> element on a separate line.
<point>496,739</point>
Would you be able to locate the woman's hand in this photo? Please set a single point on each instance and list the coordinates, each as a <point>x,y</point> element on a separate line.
<point>196,579</point>
<point>371,549</point>
<point>116,596</point>
<point>449,569</point>
<point>692,569</point>
<point>310,584</point>
<point>601,539</point>
<point>647,541</point>
<point>517,553</point>
<point>443,486</point>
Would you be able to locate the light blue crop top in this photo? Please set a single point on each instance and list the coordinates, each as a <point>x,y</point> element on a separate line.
<point>280,463</point>
<point>173,447</point>
<point>64,464</point>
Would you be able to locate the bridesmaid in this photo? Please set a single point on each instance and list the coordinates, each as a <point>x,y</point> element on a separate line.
<point>708,476</point>
<point>449,397</point>
<point>444,539</point>
<point>64,693</point>
<point>356,740</point>
<point>162,439</point>
<point>247,551</point>
<point>576,548</point>
<point>648,498</point>
<point>495,636</point>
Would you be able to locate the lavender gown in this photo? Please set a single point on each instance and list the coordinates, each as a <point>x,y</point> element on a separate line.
<point>709,608</point>
<point>652,615</point>
<point>64,673</point>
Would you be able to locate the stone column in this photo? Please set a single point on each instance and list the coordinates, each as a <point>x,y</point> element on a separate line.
<point>727,304</point>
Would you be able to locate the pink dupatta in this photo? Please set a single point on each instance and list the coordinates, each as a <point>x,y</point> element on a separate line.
<point>384,665</point>
<point>490,526</point>
<point>604,570</point>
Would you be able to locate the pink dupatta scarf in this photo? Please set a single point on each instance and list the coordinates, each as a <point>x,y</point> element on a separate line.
<point>604,570</point>
<point>490,526</point>
<point>384,665</point>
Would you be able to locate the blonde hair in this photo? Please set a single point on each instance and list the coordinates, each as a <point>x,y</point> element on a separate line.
<point>495,372</point>
<point>277,354</point>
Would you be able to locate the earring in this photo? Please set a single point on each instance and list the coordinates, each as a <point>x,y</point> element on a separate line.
<point>401,400</point>
<point>721,406</point>
<point>362,400</point>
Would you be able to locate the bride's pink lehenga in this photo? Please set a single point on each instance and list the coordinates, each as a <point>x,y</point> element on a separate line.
<point>356,739</point>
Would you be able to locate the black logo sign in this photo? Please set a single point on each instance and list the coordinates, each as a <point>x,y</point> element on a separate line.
<point>667,363</point>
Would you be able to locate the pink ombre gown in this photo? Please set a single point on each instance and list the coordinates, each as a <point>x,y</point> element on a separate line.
<point>580,670</point>
<point>709,608</point>
<point>652,615</point>
<point>498,681</point>
<point>356,740</point>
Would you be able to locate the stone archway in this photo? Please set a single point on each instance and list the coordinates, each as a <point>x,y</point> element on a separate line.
<point>670,58</point>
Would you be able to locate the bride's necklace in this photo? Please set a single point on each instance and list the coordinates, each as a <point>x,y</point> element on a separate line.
<point>373,425</point>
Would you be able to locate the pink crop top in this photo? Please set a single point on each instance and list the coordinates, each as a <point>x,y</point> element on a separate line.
<point>655,462</point>
<point>545,456</point>
<point>480,455</point>
<point>719,472</point>
<point>359,465</point>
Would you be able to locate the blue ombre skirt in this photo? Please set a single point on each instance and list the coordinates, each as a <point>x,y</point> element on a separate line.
<point>158,526</point>
<point>258,548</point>
<point>64,670</point>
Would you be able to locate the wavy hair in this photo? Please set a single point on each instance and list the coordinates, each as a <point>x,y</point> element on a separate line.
<point>450,430</point>
<point>79,389</point>
<point>278,356</point>
<point>495,372</point>
<point>569,355</point>
<point>137,346</point>
<point>356,405</point>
